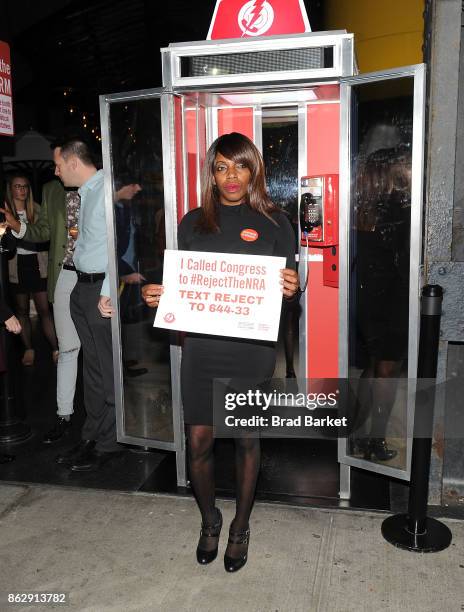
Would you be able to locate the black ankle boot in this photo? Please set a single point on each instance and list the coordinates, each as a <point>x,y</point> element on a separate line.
<point>209,531</point>
<point>233,564</point>
<point>378,447</point>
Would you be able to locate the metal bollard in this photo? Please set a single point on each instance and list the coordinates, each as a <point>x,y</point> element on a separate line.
<point>415,531</point>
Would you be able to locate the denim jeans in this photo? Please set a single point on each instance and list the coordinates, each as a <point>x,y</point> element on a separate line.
<point>68,343</point>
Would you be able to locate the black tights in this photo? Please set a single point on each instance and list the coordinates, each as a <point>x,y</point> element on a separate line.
<point>378,397</point>
<point>201,468</point>
<point>43,310</point>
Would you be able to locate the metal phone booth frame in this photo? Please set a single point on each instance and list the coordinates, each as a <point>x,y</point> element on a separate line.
<point>214,87</point>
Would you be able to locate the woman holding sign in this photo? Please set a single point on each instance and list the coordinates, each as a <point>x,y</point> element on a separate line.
<point>236,216</point>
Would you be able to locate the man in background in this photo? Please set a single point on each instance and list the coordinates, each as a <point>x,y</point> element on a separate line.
<point>75,165</point>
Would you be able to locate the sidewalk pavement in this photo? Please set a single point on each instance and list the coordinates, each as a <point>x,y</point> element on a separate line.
<point>136,552</point>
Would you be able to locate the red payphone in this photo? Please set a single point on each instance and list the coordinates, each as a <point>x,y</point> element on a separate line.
<point>319,221</point>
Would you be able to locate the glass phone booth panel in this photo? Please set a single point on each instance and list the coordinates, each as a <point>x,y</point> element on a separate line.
<point>384,237</point>
<point>145,415</point>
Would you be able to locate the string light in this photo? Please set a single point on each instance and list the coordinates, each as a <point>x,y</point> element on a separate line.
<point>87,118</point>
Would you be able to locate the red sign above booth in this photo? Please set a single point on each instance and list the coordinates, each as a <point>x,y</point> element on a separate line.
<point>6,96</point>
<point>247,18</point>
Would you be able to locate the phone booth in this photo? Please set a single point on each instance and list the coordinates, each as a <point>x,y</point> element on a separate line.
<point>319,126</point>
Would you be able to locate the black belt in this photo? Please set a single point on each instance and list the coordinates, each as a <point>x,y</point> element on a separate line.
<point>69,267</point>
<point>94,277</point>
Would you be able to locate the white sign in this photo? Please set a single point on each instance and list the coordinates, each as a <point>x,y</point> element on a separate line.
<point>221,294</point>
<point>6,96</point>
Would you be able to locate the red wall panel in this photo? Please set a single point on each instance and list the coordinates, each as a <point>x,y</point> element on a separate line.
<point>323,134</point>
<point>236,120</point>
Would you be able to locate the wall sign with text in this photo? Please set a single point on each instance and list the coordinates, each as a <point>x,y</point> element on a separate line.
<point>6,94</point>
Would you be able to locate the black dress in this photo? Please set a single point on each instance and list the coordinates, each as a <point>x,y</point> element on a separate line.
<point>383,282</point>
<point>207,357</point>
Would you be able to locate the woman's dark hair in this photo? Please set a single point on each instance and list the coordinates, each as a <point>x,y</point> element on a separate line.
<point>385,171</point>
<point>239,149</point>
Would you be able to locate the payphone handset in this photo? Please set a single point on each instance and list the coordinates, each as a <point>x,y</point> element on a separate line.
<point>319,210</point>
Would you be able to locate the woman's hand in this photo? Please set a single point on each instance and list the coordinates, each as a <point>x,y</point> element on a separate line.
<point>290,282</point>
<point>151,294</point>
<point>15,224</point>
<point>13,325</point>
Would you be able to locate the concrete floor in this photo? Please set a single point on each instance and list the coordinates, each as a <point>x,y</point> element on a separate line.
<point>136,552</point>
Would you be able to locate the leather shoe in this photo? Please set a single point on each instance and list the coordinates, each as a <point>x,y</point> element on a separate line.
<point>69,456</point>
<point>92,460</point>
<point>62,427</point>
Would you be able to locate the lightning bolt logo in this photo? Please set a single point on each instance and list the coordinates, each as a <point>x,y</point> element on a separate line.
<point>255,14</point>
<point>255,17</point>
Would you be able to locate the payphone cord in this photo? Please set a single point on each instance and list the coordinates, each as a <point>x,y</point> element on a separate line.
<point>305,259</point>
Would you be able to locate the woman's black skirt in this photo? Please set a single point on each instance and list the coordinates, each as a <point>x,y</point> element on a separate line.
<point>29,275</point>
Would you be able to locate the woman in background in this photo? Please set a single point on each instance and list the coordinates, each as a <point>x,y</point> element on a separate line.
<point>28,270</point>
<point>382,236</point>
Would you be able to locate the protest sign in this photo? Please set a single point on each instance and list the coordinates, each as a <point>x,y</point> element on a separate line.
<point>221,294</point>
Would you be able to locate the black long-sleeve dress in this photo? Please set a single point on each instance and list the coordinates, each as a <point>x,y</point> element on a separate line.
<point>207,357</point>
